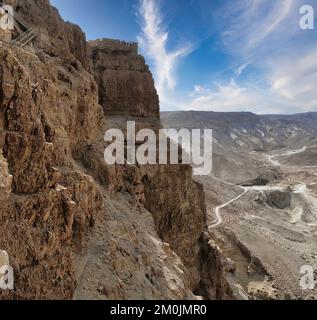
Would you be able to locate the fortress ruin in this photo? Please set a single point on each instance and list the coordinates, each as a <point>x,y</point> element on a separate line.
<point>112,44</point>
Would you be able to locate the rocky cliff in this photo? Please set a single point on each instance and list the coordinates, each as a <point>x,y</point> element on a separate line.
<point>73,226</point>
<point>126,85</point>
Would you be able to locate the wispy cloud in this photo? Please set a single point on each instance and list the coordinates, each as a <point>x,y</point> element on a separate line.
<point>254,22</point>
<point>295,80</point>
<point>265,45</point>
<point>228,97</point>
<point>154,42</point>
<point>238,71</point>
<point>267,33</point>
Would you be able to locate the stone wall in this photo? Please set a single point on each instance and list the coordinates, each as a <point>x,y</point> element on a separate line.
<point>115,45</point>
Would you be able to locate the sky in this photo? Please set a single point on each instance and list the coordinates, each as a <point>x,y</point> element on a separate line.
<point>214,55</point>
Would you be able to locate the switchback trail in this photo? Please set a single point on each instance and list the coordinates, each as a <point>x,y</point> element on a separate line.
<point>217,210</point>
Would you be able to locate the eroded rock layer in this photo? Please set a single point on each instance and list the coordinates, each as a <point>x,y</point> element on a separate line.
<point>73,226</point>
<point>126,85</point>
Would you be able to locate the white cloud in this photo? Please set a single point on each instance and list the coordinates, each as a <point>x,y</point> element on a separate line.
<point>238,71</point>
<point>292,87</point>
<point>261,33</point>
<point>295,80</point>
<point>154,41</point>
<point>267,33</point>
<point>252,22</point>
<point>226,97</point>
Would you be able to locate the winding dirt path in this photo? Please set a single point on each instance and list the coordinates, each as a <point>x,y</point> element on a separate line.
<point>219,219</point>
<point>288,153</point>
<point>300,188</point>
<point>217,210</point>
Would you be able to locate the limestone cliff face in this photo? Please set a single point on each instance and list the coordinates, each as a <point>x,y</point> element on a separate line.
<point>73,226</point>
<point>56,38</point>
<point>176,202</point>
<point>48,203</point>
<point>126,85</point>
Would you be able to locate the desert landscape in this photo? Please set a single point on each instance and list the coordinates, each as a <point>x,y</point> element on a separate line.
<point>73,227</point>
<point>261,197</point>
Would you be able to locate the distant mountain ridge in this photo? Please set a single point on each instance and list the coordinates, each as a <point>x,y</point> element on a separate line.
<point>248,130</point>
<point>237,134</point>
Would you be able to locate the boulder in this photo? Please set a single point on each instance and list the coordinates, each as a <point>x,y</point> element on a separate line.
<point>279,199</point>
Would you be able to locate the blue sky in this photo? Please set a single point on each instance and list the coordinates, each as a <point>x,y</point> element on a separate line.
<point>214,55</point>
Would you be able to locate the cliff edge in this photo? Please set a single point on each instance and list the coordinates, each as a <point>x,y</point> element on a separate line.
<point>73,226</point>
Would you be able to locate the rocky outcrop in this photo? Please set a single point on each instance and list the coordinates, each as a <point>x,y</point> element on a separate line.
<point>73,226</point>
<point>275,198</point>
<point>48,110</point>
<point>126,85</point>
<point>49,203</point>
<point>56,38</point>
<point>279,199</point>
<point>125,258</point>
<point>126,90</point>
<point>263,179</point>
<point>178,208</point>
